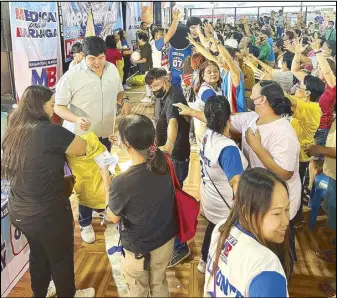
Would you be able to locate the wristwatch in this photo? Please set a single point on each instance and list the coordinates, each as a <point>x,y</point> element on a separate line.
<point>125,100</point>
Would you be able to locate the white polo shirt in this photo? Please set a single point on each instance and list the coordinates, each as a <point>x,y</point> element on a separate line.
<point>88,95</point>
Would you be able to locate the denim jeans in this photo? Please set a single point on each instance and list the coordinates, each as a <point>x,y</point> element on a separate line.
<point>280,32</point>
<point>181,168</point>
<point>85,215</point>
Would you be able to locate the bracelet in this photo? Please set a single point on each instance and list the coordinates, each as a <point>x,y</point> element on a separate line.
<point>318,52</point>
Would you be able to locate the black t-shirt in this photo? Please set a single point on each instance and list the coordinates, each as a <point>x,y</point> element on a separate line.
<point>164,112</point>
<point>146,52</point>
<point>40,188</point>
<point>145,201</point>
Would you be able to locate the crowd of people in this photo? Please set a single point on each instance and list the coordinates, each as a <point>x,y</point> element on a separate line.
<point>258,99</point>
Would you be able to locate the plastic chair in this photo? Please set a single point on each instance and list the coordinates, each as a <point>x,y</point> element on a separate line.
<point>318,192</point>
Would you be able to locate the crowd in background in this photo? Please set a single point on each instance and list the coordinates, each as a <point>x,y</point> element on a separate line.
<point>258,99</point>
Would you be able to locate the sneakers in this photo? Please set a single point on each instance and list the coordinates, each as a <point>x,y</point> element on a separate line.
<point>89,292</point>
<point>179,255</point>
<point>88,235</point>
<point>126,87</point>
<point>202,266</point>
<point>146,100</point>
<point>51,289</point>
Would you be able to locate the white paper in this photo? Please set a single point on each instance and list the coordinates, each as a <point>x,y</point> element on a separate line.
<point>106,159</point>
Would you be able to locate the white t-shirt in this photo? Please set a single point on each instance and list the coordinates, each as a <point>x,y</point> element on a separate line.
<point>245,269</point>
<point>280,140</point>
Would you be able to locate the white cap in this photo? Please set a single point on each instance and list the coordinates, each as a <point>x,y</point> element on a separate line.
<point>233,43</point>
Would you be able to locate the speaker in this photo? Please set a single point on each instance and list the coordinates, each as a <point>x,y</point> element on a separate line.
<point>6,41</point>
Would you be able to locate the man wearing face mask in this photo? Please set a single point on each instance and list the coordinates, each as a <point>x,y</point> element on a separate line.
<point>172,133</point>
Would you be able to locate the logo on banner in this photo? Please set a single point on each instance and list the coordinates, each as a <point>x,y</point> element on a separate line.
<point>37,23</point>
<point>18,240</point>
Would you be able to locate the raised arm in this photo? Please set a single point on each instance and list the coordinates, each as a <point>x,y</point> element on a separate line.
<point>329,76</point>
<point>207,54</point>
<point>295,67</point>
<point>173,28</point>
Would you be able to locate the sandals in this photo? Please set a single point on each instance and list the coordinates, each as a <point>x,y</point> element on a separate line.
<point>326,255</point>
<point>327,289</point>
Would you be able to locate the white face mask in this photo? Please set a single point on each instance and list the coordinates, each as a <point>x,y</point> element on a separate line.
<point>279,63</point>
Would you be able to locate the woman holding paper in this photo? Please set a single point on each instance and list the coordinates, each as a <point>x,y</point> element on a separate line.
<point>34,155</point>
<point>142,200</point>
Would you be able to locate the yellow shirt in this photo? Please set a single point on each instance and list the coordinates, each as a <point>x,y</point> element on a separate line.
<point>306,121</point>
<point>329,168</point>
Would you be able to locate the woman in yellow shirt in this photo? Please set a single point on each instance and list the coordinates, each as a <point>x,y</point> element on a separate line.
<point>306,120</point>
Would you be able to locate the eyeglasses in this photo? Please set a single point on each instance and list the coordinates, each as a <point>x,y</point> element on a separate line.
<point>256,98</point>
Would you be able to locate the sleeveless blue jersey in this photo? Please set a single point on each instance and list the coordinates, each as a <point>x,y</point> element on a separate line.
<point>177,59</point>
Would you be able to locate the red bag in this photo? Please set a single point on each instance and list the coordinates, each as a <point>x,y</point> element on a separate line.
<point>187,208</point>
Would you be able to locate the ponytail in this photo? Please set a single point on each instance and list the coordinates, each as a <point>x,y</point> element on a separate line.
<point>156,161</point>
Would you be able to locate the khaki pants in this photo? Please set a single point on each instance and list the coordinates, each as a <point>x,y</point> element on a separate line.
<point>140,282</point>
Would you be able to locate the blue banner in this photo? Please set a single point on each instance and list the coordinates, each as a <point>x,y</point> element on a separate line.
<point>107,17</point>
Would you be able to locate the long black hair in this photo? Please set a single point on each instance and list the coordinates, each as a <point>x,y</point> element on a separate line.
<point>139,132</point>
<point>217,112</point>
<point>275,97</point>
<point>21,126</point>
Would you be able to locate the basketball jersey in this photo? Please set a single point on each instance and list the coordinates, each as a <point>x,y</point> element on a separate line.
<point>160,54</point>
<point>246,268</point>
<point>177,59</point>
<point>210,149</point>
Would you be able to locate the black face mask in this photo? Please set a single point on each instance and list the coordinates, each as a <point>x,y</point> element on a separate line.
<point>159,93</point>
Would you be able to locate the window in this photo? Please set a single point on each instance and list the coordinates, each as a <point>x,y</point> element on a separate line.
<point>205,13</point>
<point>249,13</point>
<point>226,15</point>
<point>291,13</point>
<point>329,13</point>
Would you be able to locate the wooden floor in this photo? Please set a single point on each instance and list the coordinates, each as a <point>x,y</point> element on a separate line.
<point>93,269</point>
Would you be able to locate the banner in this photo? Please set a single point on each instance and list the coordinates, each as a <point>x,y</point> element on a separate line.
<point>133,20</point>
<point>147,12</point>
<point>36,44</point>
<point>14,247</point>
<point>107,17</point>
<point>74,24</point>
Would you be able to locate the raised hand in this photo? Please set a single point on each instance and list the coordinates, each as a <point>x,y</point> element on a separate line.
<point>248,62</point>
<point>176,15</point>
<point>262,75</point>
<point>298,46</point>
